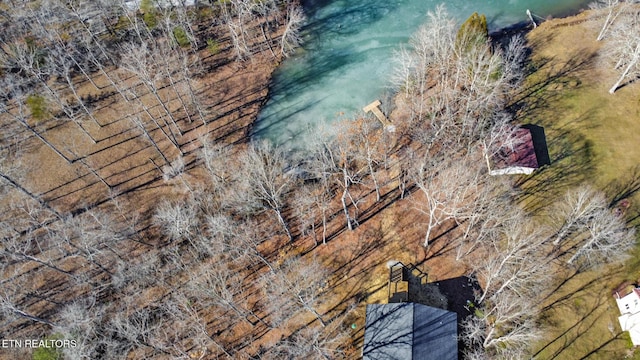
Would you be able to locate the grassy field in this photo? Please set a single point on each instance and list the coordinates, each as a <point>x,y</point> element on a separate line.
<point>592,137</point>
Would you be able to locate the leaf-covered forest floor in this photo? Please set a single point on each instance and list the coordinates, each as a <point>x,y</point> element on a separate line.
<point>124,158</point>
<point>591,135</point>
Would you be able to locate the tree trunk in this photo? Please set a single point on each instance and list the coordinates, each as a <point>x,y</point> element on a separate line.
<point>375,180</point>
<point>343,199</point>
<point>605,26</point>
<point>577,254</point>
<point>427,235</point>
<point>25,124</point>
<point>314,312</point>
<point>138,122</point>
<point>31,317</point>
<point>623,76</point>
<point>430,227</point>
<point>95,173</point>
<point>192,93</point>
<point>284,224</point>
<point>324,226</point>
<point>29,194</point>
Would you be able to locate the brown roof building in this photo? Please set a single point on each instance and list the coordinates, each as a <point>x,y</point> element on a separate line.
<point>522,156</point>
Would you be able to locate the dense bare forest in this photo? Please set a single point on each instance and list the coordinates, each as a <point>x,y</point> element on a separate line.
<point>139,221</point>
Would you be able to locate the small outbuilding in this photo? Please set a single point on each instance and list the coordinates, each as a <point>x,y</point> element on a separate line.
<point>526,153</point>
<point>409,331</point>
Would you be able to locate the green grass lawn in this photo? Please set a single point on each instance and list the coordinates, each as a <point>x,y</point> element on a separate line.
<point>591,134</point>
<point>593,137</point>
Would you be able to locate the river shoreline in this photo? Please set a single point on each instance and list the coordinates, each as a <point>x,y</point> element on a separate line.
<point>348,60</point>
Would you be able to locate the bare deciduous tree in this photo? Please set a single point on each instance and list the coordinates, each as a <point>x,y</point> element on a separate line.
<point>307,210</point>
<point>222,285</point>
<point>132,276</point>
<point>368,142</point>
<point>613,8</point>
<point>187,337</point>
<point>445,189</point>
<point>587,231</point>
<point>454,83</point>
<point>336,163</point>
<point>572,214</point>
<point>291,34</point>
<point>80,321</point>
<point>314,343</point>
<point>293,287</point>
<point>623,48</point>
<point>144,61</point>
<point>514,259</point>
<point>482,216</point>
<point>607,241</point>
<point>505,328</point>
<point>177,220</point>
<point>136,327</point>
<point>262,182</point>
<point>216,159</point>
<point>237,15</point>
<point>321,166</point>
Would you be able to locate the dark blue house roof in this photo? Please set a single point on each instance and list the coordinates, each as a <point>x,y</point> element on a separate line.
<point>408,331</point>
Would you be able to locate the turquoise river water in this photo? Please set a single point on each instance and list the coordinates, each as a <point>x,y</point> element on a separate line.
<point>347,57</point>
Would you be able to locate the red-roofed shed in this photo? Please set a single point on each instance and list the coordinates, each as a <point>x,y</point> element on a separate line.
<point>519,157</point>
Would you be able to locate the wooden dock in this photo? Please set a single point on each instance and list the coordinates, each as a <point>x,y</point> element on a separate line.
<point>374,108</point>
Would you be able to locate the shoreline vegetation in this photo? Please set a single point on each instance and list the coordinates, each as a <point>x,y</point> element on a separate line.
<point>140,221</point>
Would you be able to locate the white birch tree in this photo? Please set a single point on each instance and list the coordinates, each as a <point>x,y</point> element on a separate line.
<point>587,232</point>
<point>613,9</point>
<point>291,34</point>
<point>623,48</point>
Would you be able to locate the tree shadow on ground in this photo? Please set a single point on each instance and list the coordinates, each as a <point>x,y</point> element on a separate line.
<point>545,101</point>
<point>622,190</point>
<point>575,312</point>
<point>578,328</point>
<point>571,163</point>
